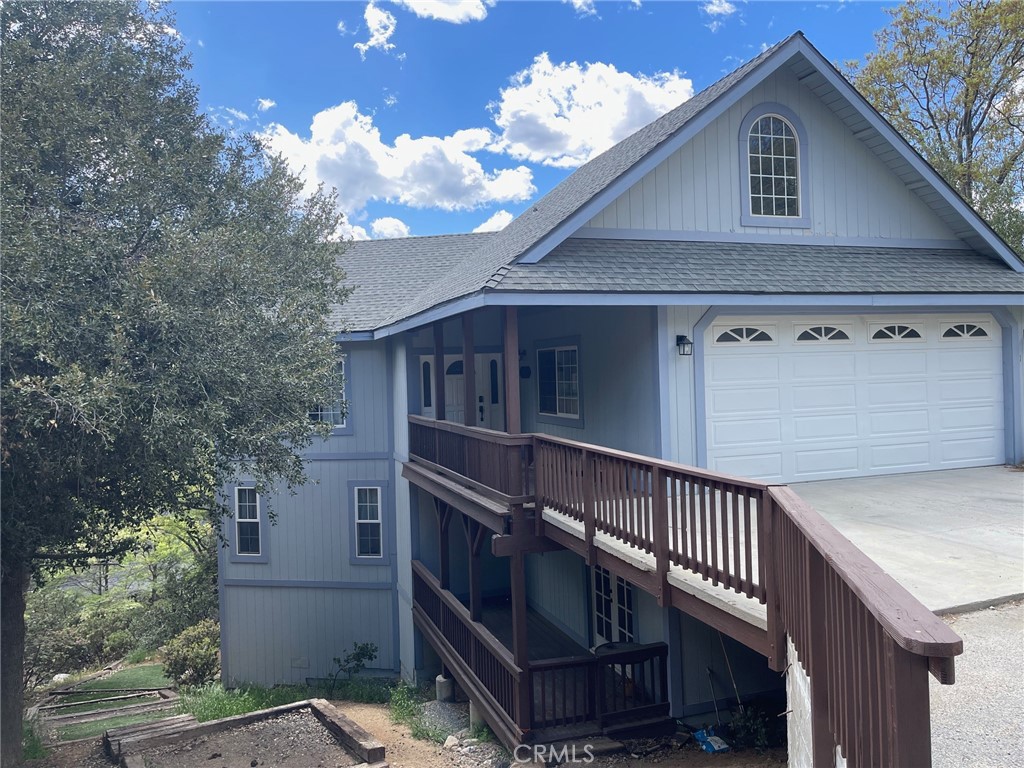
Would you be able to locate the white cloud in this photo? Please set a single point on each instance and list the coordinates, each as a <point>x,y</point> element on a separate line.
<point>345,150</point>
<point>381,25</point>
<point>454,11</point>
<point>718,8</point>
<point>264,104</point>
<point>236,113</point>
<point>583,7</point>
<point>200,43</point>
<point>564,114</point>
<point>348,231</point>
<point>390,98</point>
<point>388,227</point>
<point>496,223</point>
<point>714,26</point>
<point>342,29</point>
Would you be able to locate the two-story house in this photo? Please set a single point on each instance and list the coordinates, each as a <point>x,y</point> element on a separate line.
<point>559,477</point>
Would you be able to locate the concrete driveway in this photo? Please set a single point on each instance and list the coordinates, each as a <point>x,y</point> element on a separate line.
<point>953,538</point>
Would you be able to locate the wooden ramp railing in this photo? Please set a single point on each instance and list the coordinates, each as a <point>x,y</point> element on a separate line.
<point>865,642</point>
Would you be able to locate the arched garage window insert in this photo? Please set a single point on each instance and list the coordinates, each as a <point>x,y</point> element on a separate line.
<point>822,333</point>
<point>896,332</point>
<point>743,335</point>
<point>964,331</point>
<point>773,169</point>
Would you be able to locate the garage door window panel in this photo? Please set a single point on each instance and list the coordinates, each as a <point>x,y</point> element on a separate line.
<point>896,332</point>
<point>822,334</point>
<point>964,331</point>
<point>744,335</point>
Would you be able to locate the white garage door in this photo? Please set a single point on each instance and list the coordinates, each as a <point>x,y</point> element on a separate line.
<point>798,398</point>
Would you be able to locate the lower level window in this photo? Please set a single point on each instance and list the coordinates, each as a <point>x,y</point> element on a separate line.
<point>368,523</point>
<point>247,521</point>
<point>613,607</point>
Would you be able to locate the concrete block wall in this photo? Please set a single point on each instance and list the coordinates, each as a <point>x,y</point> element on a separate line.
<point>798,722</point>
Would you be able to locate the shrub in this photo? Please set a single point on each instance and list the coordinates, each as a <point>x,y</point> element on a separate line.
<point>193,657</point>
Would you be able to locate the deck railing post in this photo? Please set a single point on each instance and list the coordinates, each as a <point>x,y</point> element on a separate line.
<point>907,711</point>
<point>589,511</point>
<point>823,745</point>
<point>659,532</point>
<point>768,559</point>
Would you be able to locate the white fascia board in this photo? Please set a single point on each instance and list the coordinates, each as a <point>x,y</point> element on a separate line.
<point>850,300</point>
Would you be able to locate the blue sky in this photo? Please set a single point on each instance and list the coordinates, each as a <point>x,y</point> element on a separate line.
<point>436,116</point>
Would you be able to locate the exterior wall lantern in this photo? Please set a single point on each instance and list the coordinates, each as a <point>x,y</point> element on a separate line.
<point>684,345</point>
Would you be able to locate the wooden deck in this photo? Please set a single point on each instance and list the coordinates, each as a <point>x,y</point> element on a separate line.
<point>752,560</point>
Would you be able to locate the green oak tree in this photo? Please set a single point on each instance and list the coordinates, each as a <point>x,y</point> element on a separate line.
<point>950,78</point>
<point>165,293</point>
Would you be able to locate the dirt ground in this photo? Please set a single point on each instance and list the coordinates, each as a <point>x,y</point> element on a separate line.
<point>275,748</point>
<point>293,740</point>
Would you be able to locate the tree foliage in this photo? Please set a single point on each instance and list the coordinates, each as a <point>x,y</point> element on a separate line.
<point>165,293</point>
<point>950,78</point>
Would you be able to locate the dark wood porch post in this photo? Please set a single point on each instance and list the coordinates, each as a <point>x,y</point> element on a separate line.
<point>439,413</point>
<point>513,424</point>
<point>469,369</point>
<point>517,564</point>
<point>520,647</point>
<point>444,568</point>
<point>474,541</point>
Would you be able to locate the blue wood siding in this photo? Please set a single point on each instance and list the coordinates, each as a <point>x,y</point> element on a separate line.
<point>286,619</point>
<point>618,373</point>
<point>368,391</point>
<point>852,193</point>
<point>284,635</point>
<point>556,587</point>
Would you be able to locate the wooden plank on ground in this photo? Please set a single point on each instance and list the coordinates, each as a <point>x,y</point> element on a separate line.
<point>106,714</point>
<point>347,731</point>
<point>142,742</point>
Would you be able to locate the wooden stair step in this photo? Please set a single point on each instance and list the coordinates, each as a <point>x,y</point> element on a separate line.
<point>639,728</point>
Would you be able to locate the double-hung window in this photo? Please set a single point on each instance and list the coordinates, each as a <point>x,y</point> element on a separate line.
<point>558,381</point>
<point>247,521</point>
<point>334,411</point>
<point>369,533</point>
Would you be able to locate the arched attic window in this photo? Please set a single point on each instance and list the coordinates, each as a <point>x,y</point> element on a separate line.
<point>773,169</point>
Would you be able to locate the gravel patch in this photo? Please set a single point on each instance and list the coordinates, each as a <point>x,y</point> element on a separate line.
<point>293,740</point>
<point>979,721</point>
<point>446,716</point>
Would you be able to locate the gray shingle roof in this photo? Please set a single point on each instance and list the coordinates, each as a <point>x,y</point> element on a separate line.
<point>659,266</point>
<point>387,276</point>
<point>484,267</point>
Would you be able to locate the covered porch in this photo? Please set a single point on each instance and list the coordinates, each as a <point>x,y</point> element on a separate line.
<point>752,560</point>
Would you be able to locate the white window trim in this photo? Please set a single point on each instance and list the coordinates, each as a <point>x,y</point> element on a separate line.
<point>339,401</point>
<point>873,328</point>
<point>379,522</point>
<point>718,330</point>
<point>620,634</point>
<point>799,170</point>
<point>798,329</point>
<point>258,520</point>
<point>579,404</point>
<point>947,324</point>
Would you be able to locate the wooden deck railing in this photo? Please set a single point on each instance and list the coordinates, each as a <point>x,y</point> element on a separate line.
<point>866,643</point>
<point>630,683</point>
<point>702,521</point>
<point>490,461</point>
<point>472,645</point>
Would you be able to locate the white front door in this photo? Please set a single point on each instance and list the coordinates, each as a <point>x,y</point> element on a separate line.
<point>809,398</point>
<point>489,409</point>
